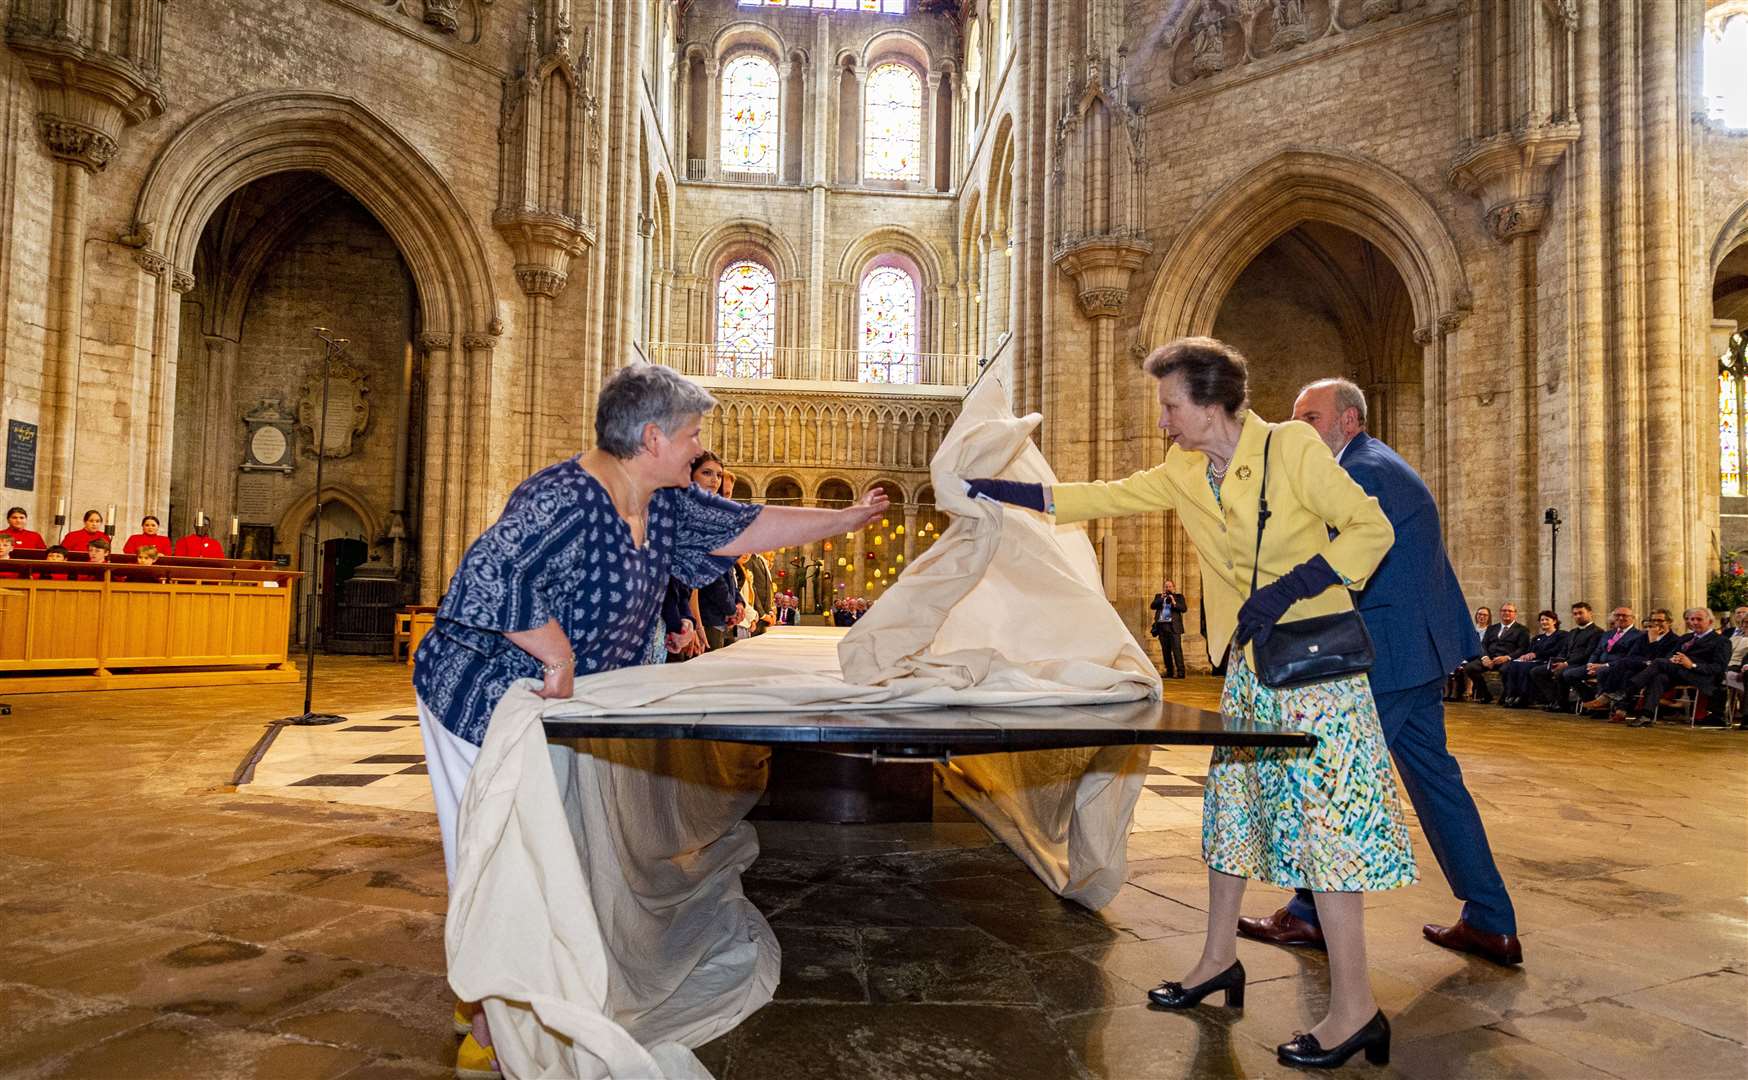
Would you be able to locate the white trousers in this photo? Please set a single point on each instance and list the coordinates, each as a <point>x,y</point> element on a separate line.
<point>449,760</point>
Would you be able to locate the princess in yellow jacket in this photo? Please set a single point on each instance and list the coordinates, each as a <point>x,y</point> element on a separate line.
<point>1325,819</point>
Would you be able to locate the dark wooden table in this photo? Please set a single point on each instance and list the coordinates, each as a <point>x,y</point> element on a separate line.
<point>862,766</point>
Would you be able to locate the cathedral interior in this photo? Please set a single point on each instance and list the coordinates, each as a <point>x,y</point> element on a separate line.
<point>1521,226</point>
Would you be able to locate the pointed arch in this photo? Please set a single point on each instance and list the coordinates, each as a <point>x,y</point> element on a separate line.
<point>273,131</point>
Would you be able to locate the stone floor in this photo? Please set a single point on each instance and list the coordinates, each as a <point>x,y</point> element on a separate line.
<point>155,921</point>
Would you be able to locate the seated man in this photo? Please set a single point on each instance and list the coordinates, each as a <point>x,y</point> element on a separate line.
<point>1515,675</point>
<point>1504,642</point>
<point>198,545</point>
<point>1656,644</point>
<point>1698,661</point>
<point>1546,688</point>
<point>1620,642</point>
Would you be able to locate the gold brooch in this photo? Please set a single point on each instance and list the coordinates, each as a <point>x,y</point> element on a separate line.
<point>1244,472</point>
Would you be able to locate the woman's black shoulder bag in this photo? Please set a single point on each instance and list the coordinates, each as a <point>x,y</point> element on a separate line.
<point>1319,649</point>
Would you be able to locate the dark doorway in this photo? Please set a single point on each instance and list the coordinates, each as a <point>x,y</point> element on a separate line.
<point>339,559</point>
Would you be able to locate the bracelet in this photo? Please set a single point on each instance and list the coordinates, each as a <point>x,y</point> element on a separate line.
<point>568,663</point>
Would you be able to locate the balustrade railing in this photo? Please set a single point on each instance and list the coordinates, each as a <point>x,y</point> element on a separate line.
<point>869,369</point>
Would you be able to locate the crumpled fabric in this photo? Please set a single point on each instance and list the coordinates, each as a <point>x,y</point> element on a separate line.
<point>597,909</point>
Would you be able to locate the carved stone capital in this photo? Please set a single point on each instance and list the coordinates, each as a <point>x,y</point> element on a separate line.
<point>1101,267</point>
<point>540,280</point>
<point>1102,303</point>
<point>1423,336</point>
<point>1508,221</point>
<point>1378,9</point>
<point>1511,172</point>
<point>77,143</point>
<point>430,342</point>
<point>181,281</point>
<point>441,14</point>
<point>478,342</point>
<point>152,263</point>
<point>1449,322</point>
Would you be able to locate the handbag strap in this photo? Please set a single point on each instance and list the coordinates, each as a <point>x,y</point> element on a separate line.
<point>1262,509</point>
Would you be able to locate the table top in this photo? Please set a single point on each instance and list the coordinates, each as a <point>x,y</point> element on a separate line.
<point>937,732</point>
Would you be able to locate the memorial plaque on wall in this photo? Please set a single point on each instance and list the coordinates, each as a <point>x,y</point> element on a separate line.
<point>20,455</point>
<point>255,498</point>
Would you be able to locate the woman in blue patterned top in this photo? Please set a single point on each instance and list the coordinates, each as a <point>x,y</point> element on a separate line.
<point>569,578</point>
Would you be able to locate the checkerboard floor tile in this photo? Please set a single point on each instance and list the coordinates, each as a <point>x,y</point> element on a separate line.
<point>371,760</point>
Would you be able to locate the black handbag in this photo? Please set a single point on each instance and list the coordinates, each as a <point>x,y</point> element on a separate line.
<point>1307,651</point>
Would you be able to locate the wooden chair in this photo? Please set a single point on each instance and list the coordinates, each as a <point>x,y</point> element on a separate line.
<point>403,635</point>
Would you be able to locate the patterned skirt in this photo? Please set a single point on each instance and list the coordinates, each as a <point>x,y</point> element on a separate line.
<point>1326,819</point>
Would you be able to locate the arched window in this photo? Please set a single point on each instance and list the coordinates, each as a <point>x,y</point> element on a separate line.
<point>893,124</point>
<point>1726,67</point>
<point>888,352</point>
<point>749,115</point>
<point>746,324</point>
<point>1732,410</point>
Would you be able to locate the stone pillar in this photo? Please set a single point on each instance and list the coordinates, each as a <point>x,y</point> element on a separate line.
<point>712,120</point>
<point>785,102</point>
<point>910,512</point>
<point>437,519</point>
<point>861,155</point>
<point>926,152</point>
<point>683,115</point>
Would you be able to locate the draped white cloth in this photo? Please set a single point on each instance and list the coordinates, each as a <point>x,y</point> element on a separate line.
<point>597,907</point>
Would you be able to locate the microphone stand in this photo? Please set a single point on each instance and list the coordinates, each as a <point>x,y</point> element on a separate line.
<point>331,345</point>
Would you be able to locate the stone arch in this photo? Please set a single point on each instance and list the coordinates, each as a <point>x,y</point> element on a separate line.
<point>298,514</point>
<point>780,486</point>
<point>745,36</point>
<point>1294,186</point>
<point>898,43</point>
<point>1732,235</point>
<point>887,239</point>
<point>892,486</point>
<point>843,488</point>
<point>731,238</point>
<point>274,131</point>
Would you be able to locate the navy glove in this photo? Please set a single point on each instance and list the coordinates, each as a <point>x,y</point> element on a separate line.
<point>1264,608</point>
<point>1030,496</point>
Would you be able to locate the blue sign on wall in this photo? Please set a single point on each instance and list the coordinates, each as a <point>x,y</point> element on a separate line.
<point>20,455</point>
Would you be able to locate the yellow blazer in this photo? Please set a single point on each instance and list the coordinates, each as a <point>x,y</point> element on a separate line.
<point>1309,494</point>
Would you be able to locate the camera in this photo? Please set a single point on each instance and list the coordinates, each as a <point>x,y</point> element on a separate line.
<point>1550,516</point>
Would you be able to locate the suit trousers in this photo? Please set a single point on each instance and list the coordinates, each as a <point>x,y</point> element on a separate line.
<point>1550,687</point>
<point>1659,676</point>
<point>1414,730</point>
<point>1171,653</point>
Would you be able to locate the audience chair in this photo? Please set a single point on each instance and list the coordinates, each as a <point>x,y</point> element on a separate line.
<point>403,636</point>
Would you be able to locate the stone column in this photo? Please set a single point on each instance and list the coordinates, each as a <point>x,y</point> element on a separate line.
<point>475,427</point>
<point>683,116</point>
<point>861,155</point>
<point>785,102</point>
<point>712,120</point>
<point>926,151</point>
<point>436,511</point>
<point>910,512</point>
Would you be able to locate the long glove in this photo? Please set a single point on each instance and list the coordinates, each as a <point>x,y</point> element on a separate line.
<point>1260,613</point>
<point>1030,496</point>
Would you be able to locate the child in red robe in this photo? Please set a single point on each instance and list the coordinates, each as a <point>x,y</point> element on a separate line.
<point>79,539</point>
<point>148,534</point>
<point>22,538</point>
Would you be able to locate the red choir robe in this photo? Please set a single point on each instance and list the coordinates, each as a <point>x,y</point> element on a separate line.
<point>25,540</point>
<point>195,546</point>
<point>78,540</point>
<point>140,540</point>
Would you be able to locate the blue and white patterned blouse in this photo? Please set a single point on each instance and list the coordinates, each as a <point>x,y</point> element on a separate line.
<point>561,551</point>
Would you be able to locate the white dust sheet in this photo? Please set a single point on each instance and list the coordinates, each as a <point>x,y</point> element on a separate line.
<point>597,908</point>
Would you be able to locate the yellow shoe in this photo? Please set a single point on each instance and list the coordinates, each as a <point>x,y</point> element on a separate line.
<point>476,1062</point>
<point>463,1019</point>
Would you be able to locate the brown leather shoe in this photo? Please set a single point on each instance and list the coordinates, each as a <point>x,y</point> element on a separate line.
<point>1598,704</point>
<point>1281,928</point>
<point>1499,948</point>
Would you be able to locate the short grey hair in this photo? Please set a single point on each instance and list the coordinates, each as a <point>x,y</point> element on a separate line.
<point>1348,395</point>
<point>1694,610</point>
<point>645,394</point>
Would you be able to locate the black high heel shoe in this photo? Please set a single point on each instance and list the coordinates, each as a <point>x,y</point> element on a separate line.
<point>1170,995</point>
<point>1306,1052</point>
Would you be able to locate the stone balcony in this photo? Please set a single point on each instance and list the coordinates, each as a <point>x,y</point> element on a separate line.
<point>835,372</point>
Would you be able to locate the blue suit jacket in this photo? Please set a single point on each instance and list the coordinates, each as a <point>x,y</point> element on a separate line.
<point>1413,606</point>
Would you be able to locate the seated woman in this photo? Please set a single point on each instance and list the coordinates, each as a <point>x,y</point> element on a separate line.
<point>91,530</point>
<point>22,538</point>
<point>1548,645</point>
<point>148,534</point>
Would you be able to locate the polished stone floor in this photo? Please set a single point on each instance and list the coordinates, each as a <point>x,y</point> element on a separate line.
<point>156,921</point>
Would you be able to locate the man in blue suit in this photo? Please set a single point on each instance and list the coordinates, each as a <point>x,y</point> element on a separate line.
<point>1421,629</point>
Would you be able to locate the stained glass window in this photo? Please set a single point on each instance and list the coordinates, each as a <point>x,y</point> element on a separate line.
<point>973,79</point>
<point>888,351</point>
<point>1732,368</point>
<point>746,325</point>
<point>749,115</point>
<point>893,124</point>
